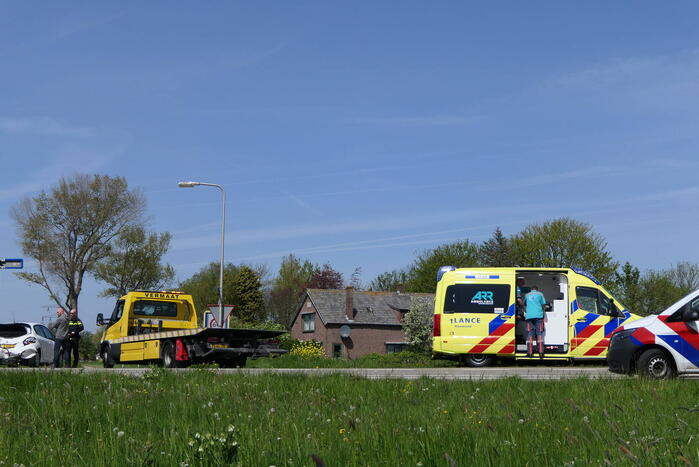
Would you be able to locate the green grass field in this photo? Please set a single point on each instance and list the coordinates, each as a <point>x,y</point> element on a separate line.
<point>202,418</point>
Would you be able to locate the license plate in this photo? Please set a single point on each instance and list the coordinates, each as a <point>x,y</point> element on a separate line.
<point>7,346</point>
<point>219,346</point>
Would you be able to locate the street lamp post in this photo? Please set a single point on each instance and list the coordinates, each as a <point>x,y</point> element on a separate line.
<point>223,233</point>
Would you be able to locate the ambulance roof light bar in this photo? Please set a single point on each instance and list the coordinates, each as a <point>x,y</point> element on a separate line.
<point>442,270</point>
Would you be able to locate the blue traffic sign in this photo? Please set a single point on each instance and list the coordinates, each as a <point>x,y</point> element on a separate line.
<point>11,263</point>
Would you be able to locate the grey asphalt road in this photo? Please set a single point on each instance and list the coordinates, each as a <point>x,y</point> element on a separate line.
<point>529,373</point>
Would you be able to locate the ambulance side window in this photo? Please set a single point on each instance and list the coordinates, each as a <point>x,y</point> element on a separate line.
<point>607,306</point>
<point>595,301</point>
<point>477,298</point>
<point>588,299</point>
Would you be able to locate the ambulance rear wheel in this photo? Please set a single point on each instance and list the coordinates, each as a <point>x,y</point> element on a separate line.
<point>168,356</point>
<point>655,364</point>
<point>477,360</point>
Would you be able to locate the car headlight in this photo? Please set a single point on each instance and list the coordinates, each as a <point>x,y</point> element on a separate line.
<point>621,335</point>
<point>29,340</point>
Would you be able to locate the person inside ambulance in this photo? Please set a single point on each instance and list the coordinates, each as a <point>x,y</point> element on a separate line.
<point>522,290</point>
<point>534,303</point>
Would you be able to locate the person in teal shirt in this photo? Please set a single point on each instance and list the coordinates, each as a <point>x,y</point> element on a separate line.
<point>522,290</point>
<point>534,303</point>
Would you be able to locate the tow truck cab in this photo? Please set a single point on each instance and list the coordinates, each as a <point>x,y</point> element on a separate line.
<point>162,327</point>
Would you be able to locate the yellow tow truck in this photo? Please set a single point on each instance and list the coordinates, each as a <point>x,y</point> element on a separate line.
<point>161,327</point>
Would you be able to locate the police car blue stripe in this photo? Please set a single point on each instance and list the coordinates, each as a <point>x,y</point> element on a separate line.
<point>682,347</point>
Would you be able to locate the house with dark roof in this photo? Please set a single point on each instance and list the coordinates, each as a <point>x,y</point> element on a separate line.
<point>351,323</point>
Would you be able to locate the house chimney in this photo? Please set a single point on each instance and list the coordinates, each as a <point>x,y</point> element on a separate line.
<point>349,302</point>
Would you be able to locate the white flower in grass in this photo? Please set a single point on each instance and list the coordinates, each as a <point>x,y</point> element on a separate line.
<point>230,428</point>
<point>120,434</point>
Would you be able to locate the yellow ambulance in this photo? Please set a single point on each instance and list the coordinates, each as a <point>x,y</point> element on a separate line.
<point>477,316</point>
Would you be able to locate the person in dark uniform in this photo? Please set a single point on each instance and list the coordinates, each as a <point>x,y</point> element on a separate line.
<point>75,327</point>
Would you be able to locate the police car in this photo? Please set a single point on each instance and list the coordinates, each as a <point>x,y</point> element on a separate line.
<point>659,346</point>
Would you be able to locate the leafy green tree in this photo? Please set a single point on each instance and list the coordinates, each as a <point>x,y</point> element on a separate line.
<point>247,293</point>
<point>88,346</point>
<point>203,285</point>
<point>134,263</point>
<point>497,251</point>
<point>658,292</point>
<point>291,281</point>
<point>392,281</point>
<point>564,243</point>
<point>627,287</point>
<point>325,277</point>
<point>71,229</point>
<point>423,272</point>
<point>417,324</point>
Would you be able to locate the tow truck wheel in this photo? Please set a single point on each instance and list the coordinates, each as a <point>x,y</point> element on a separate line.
<point>477,360</point>
<point>107,360</point>
<point>168,354</point>
<point>655,364</point>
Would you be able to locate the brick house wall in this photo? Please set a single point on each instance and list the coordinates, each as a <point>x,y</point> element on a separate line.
<point>363,340</point>
<point>320,332</point>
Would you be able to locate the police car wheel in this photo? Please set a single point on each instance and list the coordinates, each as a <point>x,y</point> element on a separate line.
<point>655,364</point>
<point>477,360</point>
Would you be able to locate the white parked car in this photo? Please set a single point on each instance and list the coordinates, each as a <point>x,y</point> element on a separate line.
<point>26,343</point>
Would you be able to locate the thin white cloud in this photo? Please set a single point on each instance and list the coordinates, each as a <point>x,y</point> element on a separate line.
<point>41,126</point>
<point>417,121</point>
<point>67,162</point>
<point>673,164</point>
<point>668,195</point>
<point>656,81</point>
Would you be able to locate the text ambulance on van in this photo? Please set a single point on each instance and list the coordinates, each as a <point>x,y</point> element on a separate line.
<point>659,346</point>
<point>475,308</point>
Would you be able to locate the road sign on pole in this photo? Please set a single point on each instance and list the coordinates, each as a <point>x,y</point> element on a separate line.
<point>12,263</point>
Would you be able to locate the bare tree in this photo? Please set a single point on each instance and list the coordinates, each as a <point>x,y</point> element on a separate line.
<point>70,229</point>
<point>135,263</point>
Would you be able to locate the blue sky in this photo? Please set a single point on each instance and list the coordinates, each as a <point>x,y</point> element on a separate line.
<point>356,133</point>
